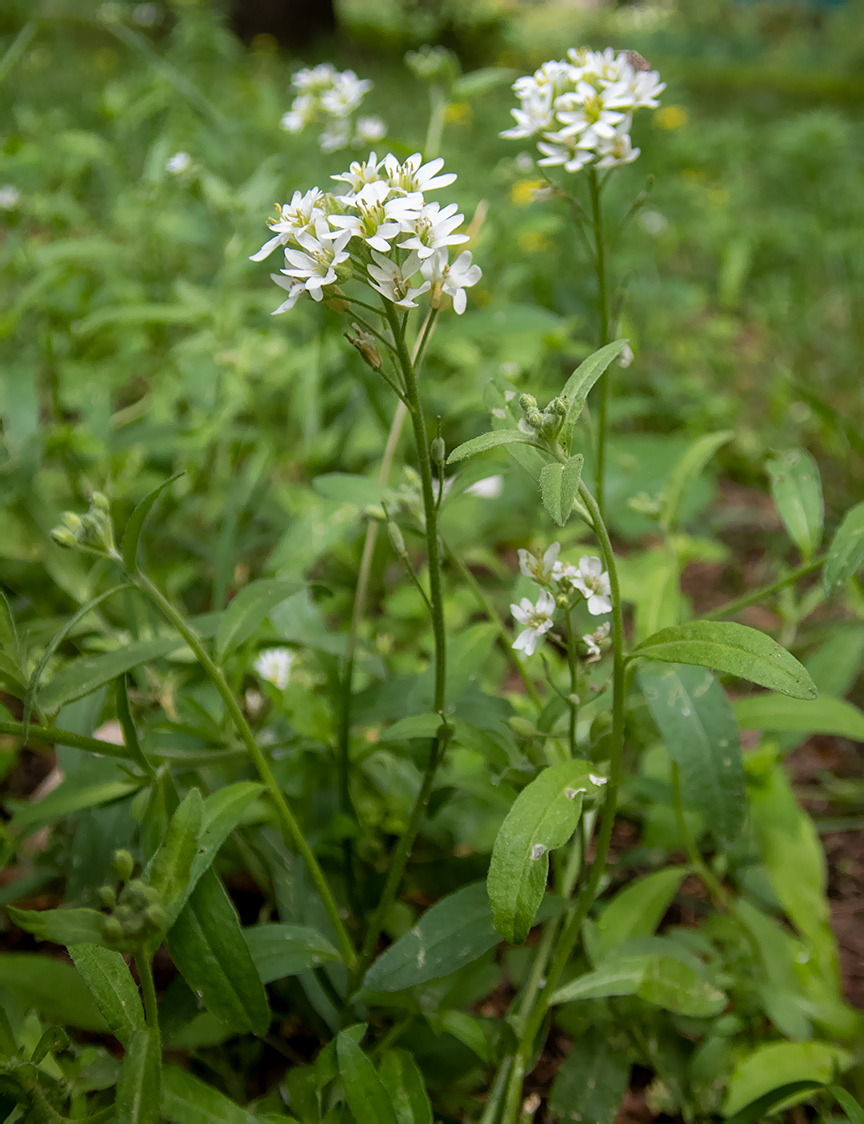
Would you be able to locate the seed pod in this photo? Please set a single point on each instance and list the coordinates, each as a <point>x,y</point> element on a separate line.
<point>438,450</point>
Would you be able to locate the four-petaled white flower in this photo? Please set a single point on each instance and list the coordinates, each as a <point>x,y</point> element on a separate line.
<point>452,278</point>
<point>433,228</point>
<point>393,281</point>
<point>274,666</point>
<point>413,175</point>
<point>300,214</point>
<point>593,640</point>
<point>368,130</point>
<point>315,263</point>
<point>593,583</point>
<point>178,163</point>
<point>381,218</point>
<point>10,197</point>
<point>541,571</point>
<point>536,620</point>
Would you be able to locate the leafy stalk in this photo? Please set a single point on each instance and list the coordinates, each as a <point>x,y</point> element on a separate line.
<point>596,189</point>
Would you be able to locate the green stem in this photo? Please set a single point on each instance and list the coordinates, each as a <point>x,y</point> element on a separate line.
<point>603,309</point>
<point>53,736</point>
<point>721,898</point>
<point>572,930</point>
<point>148,988</point>
<point>573,700</point>
<point>291,829</point>
<point>739,603</point>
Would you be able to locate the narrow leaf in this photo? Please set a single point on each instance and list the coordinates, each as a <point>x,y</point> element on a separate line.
<point>578,386</point>
<point>61,926</point>
<point>139,1081</point>
<point>107,976</point>
<point>52,987</point>
<point>797,491</point>
<point>637,910</point>
<point>543,817</point>
<point>591,1082</point>
<point>88,673</point>
<point>698,726</point>
<point>249,608</point>
<point>559,484</point>
<point>777,1064</point>
<point>846,552</point>
<point>686,472</point>
<point>207,945</point>
<point>663,980</point>
<point>171,865</point>
<point>367,1098</point>
<point>130,733</point>
<point>286,950</point>
<point>188,1100</point>
<point>401,1077</point>
<point>854,1111</point>
<point>798,716</point>
<point>132,533</point>
<point>731,648</point>
<point>490,440</point>
<point>65,801</point>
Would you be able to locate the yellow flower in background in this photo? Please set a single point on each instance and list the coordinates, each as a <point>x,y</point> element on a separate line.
<point>719,196</point>
<point>458,113</point>
<point>522,191</point>
<point>671,117</point>
<point>533,242</point>
<point>693,175</point>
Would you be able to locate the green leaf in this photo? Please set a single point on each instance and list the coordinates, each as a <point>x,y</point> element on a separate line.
<point>132,533</point>
<point>818,716</point>
<point>249,608</point>
<point>88,673</point>
<point>416,726</point>
<point>731,648</point>
<point>482,80</point>
<point>171,866</point>
<point>451,934</point>
<point>188,1100</point>
<point>60,926</point>
<point>207,945</point>
<point>853,1110</point>
<point>543,817</point>
<point>797,491</point>
<point>664,980</point>
<point>401,1077</point>
<point>559,485</point>
<point>637,910</point>
<point>127,724</point>
<point>367,1098</point>
<point>578,386</point>
<point>52,987</point>
<point>139,1081</point>
<point>66,800</point>
<point>286,950</point>
<point>776,1064</point>
<point>490,440</point>
<point>846,552</point>
<point>107,976</point>
<point>362,491</point>
<point>591,1082</point>
<point>685,473</point>
<point>8,632</point>
<point>698,726</point>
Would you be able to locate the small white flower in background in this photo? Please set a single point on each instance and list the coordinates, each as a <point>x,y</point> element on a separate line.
<point>274,666</point>
<point>254,701</point>
<point>453,278</point>
<point>580,110</point>
<point>178,163</point>
<point>536,620</point>
<point>146,15</point>
<point>593,640</point>
<point>329,98</point>
<point>541,570</point>
<point>592,582</point>
<point>626,357</point>
<point>10,197</point>
<point>652,222</point>
<point>488,489</point>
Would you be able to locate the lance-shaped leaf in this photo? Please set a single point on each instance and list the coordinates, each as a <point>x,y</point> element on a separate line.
<point>61,926</point>
<point>367,1098</point>
<point>797,716</point>
<point>592,1081</point>
<point>490,440</point>
<point>797,491</point>
<point>67,799</point>
<point>52,987</point>
<point>686,472</point>
<point>107,976</point>
<point>89,673</point>
<point>559,484</point>
<point>132,533</point>
<point>169,870</point>
<point>637,910</point>
<point>698,726</point>
<point>543,817</point>
<point>286,950</point>
<point>248,609</point>
<point>188,1100</point>
<point>579,384</point>
<point>138,1087</point>
<point>401,1077</point>
<point>731,648</point>
<point>776,1064</point>
<point>846,552</point>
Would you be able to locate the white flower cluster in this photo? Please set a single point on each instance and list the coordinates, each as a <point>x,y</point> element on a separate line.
<point>274,666</point>
<point>381,232</point>
<point>556,579</point>
<point>582,109</point>
<point>329,98</point>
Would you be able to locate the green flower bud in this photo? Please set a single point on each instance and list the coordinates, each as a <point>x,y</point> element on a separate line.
<point>438,450</point>
<point>112,931</point>
<point>107,897</point>
<point>396,538</point>
<point>156,918</point>
<point>527,401</point>
<point>100,501</point>
<point>64,537</point>
<point>73,521</point>
<point>123,865</point>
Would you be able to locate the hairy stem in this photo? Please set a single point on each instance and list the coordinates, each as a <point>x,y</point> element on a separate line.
<point>573,700</point>
<point>603,310</point>
<point>735,606</point>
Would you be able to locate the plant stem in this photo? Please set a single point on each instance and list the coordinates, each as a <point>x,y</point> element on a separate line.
<point>721,898</point>
<point>291,829</point>
<point>53,736</point>
<point>573,700</point>
<point>603,309</point>
<point>735,606</point>
<point>400,856</point>
<point>148,988</point>
<point>572,930</point>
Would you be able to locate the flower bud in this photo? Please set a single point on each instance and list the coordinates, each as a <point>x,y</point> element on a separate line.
<point>156,918</point>
<point>527,401</point>
<point>438,450</point>
<point>396,538</point>
<point>123,864</point>
<point>64,537</point>
<point>100,501</point>
<point>107,896</point>
<point>112,931</point>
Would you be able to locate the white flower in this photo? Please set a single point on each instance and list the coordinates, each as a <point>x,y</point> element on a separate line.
<point>393,281</point>
<point>345,94</point>
<point>300,214</point>
<point>541,571</point>
<point>626,357</point>
<point>593,583</point>
<point>314,78</point>
<point>433,228</point>
<point>328,97</point>
<point>359,173</point>
<point>274,666</point>
<point>381,218</point>
<point>535,621</point>
<point>10,197</point>
<point>451,278</point>
<point>489,488</point>
<point>146,15</point>
<point>315,264</point>
<point>295,290</point>
<point>414,175</point>
<point>178,163</point>
<point>368,130</point>
<point>336,137</point>
<point>593,640</point>
<point>616,151</point>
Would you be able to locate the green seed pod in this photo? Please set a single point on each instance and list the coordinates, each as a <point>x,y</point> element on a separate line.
<point>438,450</point>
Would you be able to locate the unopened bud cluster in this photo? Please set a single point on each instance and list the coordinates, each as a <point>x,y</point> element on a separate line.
<point>93,531</point>
<point>136,913</point>
<point>542,423</point>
